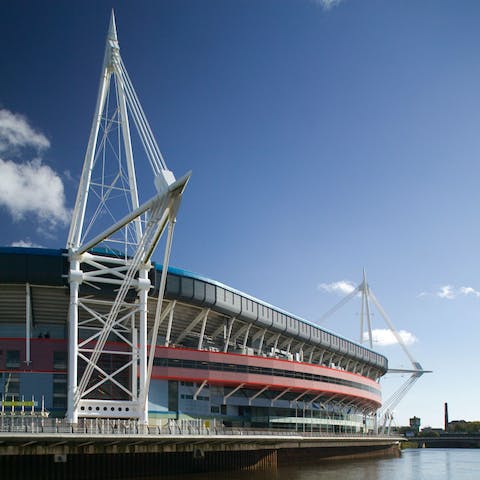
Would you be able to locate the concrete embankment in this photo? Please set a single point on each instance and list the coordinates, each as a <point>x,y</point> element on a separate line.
<point>88,457</point>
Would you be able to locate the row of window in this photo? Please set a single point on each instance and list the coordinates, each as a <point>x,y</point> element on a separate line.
<point>12,359</point>
<point>222,409</point>
<point>191,384</point>
<point>216,366</point>
<point>190,397</point>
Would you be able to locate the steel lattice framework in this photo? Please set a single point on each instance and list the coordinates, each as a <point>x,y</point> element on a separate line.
<point>111,240</point>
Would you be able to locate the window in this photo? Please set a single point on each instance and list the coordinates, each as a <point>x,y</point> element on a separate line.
<point>59,360</point>
<point>186,396</point>
<point>214,409</point>
<point>59,392</point>
<point>172,395</point>
<point>60,403</point>
<point>13,359</point>
<point>60,385</point>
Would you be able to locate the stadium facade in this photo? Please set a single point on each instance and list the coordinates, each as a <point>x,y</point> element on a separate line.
<point>221,355</point>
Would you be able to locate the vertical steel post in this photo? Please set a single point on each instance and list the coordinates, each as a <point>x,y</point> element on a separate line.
<point>143,341</point>
<point>135,359</point>
<point>75,280</point>
<point>28,322</point>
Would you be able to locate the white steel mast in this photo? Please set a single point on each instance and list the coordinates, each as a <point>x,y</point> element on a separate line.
<point>110,243</point>
<point>364,291</point>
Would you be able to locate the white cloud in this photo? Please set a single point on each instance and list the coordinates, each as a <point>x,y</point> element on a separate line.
<point>343,287</point>
<point>35,188</point>
<point>469,291</point>
<point>385,337</point>
<point>15,132</point>
<point>28,187</point>
<point>328,4</point>
<point>25,243</point>
<point>447,291</point>
<point>450,292</point>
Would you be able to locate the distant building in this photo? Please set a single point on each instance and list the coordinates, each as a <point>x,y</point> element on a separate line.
<point>415,424</point>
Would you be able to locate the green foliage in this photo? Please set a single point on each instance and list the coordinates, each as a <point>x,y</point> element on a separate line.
<point>461,426</point>
<point>427,432</point>
<point>405,445</point>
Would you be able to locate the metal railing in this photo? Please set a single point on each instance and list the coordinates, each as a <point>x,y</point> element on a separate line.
<point>91,427</point>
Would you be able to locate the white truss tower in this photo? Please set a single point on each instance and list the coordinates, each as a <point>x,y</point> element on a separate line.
<point>111,240</point>
<point>384,414</point>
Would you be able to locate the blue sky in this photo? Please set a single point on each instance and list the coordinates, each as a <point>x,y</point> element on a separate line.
<point>324,137</point>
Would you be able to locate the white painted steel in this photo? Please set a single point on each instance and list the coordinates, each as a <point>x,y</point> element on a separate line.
<point>202,331</point>
<point>385,412</point>
<point>253,397</point>
<point>235,390</point>
<point>72,411</point>
<point>199,389</point>
<point>170,323</point>
<point>229,333</point>
<point>141,228</point>
<point>28,322</point>
<point>280,395</point>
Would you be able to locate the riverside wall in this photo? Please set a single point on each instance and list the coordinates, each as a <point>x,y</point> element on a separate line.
<point>114,456</point>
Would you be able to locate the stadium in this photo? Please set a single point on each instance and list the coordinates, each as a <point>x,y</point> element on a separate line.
<point>98,330</point>
<point>220,354</point>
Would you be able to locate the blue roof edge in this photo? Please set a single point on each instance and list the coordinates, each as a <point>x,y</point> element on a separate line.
<point>33,251</point>
<point>185,273</point>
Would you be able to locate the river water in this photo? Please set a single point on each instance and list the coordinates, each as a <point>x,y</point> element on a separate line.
<point>414,464</point>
